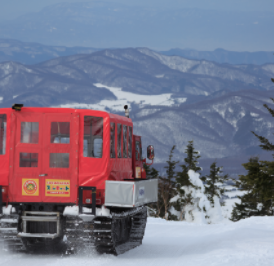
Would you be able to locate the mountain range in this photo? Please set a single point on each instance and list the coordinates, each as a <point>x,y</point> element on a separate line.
<point>172,99</point>
<point>223,56</point>
<point>139,71</point>
<point>34,53</point>
<point>30,53</point>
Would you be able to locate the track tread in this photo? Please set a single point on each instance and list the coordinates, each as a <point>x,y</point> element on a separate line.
<point>108,235</point>
<point>8,233</point>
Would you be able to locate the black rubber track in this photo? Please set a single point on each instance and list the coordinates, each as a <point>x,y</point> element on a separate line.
<point>116,235</point>
<point>8,234</point>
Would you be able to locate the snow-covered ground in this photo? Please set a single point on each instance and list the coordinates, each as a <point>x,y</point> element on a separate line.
<point>244,243</point>
<point>124,97</point>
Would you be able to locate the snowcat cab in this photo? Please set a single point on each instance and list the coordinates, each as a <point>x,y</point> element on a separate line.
<point>75,173</point>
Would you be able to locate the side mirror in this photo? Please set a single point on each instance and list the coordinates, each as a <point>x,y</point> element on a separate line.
<point>150,152</point>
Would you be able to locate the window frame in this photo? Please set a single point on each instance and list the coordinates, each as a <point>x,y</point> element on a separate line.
<point>30,160</point>
<point>130,141</point>
<point>3,133</point>
<point>119,141</point>
<point>112,137</point>
<point>138,144</point>
<point>125,141</point>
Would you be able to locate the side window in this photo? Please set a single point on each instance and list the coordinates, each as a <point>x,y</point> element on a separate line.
<point>124,141</point>
<point>3,133</point>
<point>29,132</point>
<point>130,143</point>
<point>137,151</point>
<point>60,132</point>
<point>93,137</point>
<point>119,137</point>
<point>112,140</point>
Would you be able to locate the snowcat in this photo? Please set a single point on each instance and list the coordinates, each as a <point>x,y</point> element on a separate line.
<point>72,176</point>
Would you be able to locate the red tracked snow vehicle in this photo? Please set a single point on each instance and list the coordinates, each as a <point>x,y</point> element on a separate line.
<point>72,174</point>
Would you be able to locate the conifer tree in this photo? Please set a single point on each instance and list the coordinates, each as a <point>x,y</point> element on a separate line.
<point>166,187</point>
<point>259,186</point>
<point>192,158</point>
<point>265,143</point>
<point>151,173</point>
<point>213,182</point>
<point>190,202</point>
<point>184,198</point>
<point>191,162</point>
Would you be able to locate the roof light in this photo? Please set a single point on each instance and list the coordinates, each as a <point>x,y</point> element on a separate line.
<point>17,106</point>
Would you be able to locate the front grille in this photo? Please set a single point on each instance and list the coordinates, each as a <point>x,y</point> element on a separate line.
<point>41,224</point>
<point>42,227</point>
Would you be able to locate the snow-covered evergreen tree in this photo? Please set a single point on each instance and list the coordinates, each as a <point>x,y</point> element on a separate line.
<point>191,203</point>
<point>167,188</point>
<point>213,184</point>
<point>184,196</point>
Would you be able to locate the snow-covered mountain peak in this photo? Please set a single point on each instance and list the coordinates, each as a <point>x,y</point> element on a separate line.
<point>174,62</point>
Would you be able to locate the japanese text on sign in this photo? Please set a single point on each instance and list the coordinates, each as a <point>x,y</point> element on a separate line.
<point>57,188</point>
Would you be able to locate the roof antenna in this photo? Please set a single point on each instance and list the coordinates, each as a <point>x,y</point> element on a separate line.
<point>126,111</point>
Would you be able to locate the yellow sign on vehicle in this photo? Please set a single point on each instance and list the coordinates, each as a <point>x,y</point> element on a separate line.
<point>57,188</point>
<point>138,172</point>
<point>30,187</point>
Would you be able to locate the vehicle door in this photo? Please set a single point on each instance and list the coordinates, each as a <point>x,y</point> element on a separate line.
<point>45,156</point>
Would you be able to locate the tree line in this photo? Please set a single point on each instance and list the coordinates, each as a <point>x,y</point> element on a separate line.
<point>186,195</point>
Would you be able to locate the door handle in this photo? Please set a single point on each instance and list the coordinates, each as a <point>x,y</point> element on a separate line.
<point>43,175</point>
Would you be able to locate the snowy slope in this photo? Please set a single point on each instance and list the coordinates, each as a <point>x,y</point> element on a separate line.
<point>244,243</point>
<point>123,97</point>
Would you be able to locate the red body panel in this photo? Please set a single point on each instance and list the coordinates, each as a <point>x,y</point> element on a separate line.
<point>82,171</point>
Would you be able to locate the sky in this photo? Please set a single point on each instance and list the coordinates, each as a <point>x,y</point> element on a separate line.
<point>203,32</point>
<point>10,9</point>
